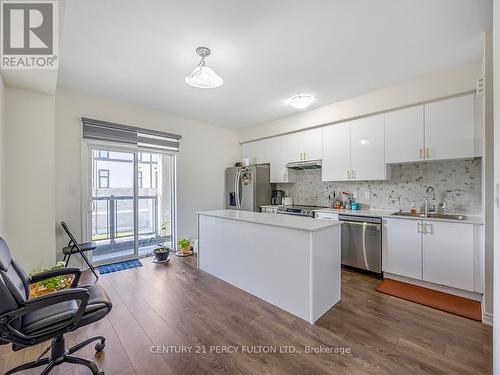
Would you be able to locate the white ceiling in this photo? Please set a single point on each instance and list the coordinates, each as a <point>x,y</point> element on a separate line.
<point>266,51</point>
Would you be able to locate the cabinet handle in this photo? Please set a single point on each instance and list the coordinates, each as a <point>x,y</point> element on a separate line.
<point>353,174</point>
<point>425,229</point>
<point>419,225</point>
<point>420,152</point>
<point>427,152</point>
<point>304,156</point>
<point>348,175</point>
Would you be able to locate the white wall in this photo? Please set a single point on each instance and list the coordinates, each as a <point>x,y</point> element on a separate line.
<point>3,144</point>
<point>488,173</point>
<point>429,88</point>
<point>29,177</point>
<point>496,258</point>
<point>206,151</point>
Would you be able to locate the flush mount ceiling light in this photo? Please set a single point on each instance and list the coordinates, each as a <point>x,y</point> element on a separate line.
<point>202,76</point>
<point>301,101</point>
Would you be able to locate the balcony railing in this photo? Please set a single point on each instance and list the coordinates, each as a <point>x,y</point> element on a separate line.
<point>113,217</point>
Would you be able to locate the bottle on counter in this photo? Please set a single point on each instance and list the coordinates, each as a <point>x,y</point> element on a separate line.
<point>413,209</point>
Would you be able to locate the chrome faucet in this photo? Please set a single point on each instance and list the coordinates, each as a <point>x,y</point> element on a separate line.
<point>398,199</point>
<point>428,208</point>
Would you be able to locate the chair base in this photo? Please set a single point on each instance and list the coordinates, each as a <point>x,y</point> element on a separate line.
<point>59,354</point>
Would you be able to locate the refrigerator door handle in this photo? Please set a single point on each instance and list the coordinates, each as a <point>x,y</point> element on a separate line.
<point>237,189</point>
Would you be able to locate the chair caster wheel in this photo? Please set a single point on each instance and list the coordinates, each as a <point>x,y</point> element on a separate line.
<point>99,348</point>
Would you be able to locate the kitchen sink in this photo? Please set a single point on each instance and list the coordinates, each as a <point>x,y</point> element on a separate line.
<point>409,214</point>
<point>431,215</point>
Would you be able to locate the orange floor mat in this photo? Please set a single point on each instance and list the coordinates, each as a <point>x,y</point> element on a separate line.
<point>442,301</point>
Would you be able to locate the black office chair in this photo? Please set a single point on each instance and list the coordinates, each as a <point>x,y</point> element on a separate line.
<point>75,247</point>
<point>26,322</point>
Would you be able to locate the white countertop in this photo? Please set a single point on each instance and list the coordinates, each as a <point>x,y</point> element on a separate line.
<point>470,219</point>
<point>285,221</point>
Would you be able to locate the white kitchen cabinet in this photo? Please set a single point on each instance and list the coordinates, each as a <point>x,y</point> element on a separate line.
<point>278,147</point>
<point>402,247</point>
<point>336,152</point>
<point>437,252</point>
<point>450,128</point>
<point>448,254</point>
<point>404,135</point>
<point>305,145</point>
<point>294,144</point>
<point>259,152</point>
<point>367,149</point>
<point>312,144</point>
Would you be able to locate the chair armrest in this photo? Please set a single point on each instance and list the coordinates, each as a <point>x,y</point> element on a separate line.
<point>11,334</point>
<point>58,272</point>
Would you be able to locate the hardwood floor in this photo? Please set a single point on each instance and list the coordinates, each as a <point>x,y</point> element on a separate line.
<point>176,306</point>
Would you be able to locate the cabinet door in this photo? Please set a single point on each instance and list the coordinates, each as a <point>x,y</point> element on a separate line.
<point>312,144</point>
<point>448,254</point>
<point>336,152</point>
<point>367,149</point>
<point>278,172</point>
<point>449,128</point>
<point>404,135</point>
<point>402,247</point>
<point>258,151</point>
<point>294,147</point>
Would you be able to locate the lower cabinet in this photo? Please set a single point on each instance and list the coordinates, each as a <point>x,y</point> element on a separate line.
<point>448,254</point>
<point>434,251</point>
<point>402,248</point>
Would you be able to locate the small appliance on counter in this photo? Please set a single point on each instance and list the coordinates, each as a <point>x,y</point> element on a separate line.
<point>287,201</point>
<point>277,197</point>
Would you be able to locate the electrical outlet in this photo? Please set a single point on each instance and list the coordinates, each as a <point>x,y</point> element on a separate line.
<point>367,194</point>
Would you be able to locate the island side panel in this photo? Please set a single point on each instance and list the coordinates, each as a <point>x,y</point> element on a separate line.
<point>325,270</point>
<point>269,262</point>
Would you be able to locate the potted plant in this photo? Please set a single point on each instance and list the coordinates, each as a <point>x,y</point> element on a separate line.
<point>161,253</point>
<point>185,246</point>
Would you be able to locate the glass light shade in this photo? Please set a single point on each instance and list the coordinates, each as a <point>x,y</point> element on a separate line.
<point>204,77</point>
<point>301,101</point>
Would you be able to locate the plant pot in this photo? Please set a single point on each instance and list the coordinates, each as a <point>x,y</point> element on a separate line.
<point>161,255</point>
<point>186,249</point>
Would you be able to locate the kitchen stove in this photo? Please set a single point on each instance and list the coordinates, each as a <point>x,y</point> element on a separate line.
<point>298,210</point>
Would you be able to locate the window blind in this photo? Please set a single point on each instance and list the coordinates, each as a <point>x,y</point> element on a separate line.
<point>144,138</point>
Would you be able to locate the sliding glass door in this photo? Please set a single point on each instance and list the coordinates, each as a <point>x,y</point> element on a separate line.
<point>131,201</point>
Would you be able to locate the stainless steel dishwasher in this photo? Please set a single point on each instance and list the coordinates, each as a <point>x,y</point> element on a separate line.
<point>362,242</point>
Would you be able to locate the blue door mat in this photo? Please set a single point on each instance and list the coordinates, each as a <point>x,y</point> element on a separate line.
<point>113,267</point>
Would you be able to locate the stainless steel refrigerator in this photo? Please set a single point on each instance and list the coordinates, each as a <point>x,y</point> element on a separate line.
<point>248,188</point>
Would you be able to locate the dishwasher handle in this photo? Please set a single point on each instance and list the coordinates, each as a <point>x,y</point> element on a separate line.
<point>365,224</point>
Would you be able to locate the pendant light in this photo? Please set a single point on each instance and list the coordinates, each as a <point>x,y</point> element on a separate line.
<point>202,76</point>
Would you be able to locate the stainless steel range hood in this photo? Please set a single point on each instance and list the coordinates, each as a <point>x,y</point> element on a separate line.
<point>302,165</point>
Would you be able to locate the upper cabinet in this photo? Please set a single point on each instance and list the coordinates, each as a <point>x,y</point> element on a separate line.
<point>436,131</point>
<point>312,144</point>
<point>305,145</point>
<point>278,147</point>
<point>450,128</point>
<point>367,149</point>
<point>404,135</point>
<point>336,152</point>
<point>355,150</point>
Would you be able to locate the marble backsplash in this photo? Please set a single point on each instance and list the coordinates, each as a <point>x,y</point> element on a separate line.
<point>456,183</point>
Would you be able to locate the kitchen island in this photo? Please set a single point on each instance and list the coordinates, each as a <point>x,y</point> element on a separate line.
<point>289,261</point>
